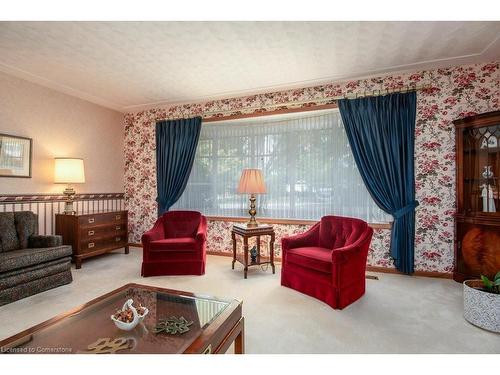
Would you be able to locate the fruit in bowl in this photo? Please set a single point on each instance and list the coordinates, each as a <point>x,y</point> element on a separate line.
<point>129,316</point>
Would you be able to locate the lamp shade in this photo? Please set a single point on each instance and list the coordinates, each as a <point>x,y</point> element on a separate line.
<point>251,182</point>
<point>69,171</point>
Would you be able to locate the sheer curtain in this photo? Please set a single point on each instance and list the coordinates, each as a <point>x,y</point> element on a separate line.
<point>306,160</point>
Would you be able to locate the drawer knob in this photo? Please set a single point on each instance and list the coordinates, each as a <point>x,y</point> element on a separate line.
<point>91,220</point>
<point>91,232</point>
<point>118,217</point>
<point>117,227</point>
<point>91,245</point>
<point>117,239</point>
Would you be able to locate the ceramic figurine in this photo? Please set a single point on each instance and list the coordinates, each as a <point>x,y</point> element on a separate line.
<point>488,199</point>
<point>253,254</point>
<point>488,173</point>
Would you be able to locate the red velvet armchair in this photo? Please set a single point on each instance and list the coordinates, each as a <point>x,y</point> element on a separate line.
<point>176,245</point>
<point>328,261</point>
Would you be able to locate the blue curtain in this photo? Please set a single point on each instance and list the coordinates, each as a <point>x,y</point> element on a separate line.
<point>381,133</point>
<point>176,142</point>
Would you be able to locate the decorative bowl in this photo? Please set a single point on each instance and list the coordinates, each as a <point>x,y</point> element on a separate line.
<point>127,326</point>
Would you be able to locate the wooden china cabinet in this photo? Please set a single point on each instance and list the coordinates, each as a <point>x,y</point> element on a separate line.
<point>477,224</point>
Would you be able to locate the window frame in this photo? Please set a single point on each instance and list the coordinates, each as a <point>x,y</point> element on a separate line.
<point>270,220</point>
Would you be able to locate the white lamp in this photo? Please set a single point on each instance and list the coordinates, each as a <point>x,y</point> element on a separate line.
<point>252,182</point>
<point>69,171</point>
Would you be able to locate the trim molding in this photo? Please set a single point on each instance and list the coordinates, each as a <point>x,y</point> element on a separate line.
<point>282,109</point>
<point>284,221</point>
<point>15,198</point>
<point>439,275</point>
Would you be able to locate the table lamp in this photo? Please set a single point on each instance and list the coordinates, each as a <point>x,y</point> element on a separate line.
<point>252,182</point>
<point>69,171</point>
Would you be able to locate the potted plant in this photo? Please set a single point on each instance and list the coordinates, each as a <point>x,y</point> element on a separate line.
<point>482,302</point>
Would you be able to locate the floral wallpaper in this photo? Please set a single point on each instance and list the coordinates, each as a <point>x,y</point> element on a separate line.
<point>219,240</point>
<point>455,92</point>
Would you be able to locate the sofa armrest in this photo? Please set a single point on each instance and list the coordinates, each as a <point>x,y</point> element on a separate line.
<point>39,241</point>
<point>308,238</point>
<point>344,254</point>
<point>155,233</point>
<point>201,234</point>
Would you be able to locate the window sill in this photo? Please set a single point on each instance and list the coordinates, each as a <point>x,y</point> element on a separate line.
<point>286,221</point>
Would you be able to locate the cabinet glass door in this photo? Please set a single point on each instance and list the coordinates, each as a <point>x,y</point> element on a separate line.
<point>481,169</point>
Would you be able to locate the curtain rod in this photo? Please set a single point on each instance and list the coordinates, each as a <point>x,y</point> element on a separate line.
<point>222,114</point>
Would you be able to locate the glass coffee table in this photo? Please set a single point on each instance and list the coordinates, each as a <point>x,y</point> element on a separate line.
<point>214,325</point>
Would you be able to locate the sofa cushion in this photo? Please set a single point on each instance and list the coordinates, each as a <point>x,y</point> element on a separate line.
<point>8,234</point>
<point>174,244</point>
<point>26,225</point>
<point>35,286</point>
<point>10,279</point>
<point>45,241</point>
<point>316,258</point>
<point>27,257</point>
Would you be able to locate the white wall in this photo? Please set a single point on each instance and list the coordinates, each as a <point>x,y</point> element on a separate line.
<point>64,126</point>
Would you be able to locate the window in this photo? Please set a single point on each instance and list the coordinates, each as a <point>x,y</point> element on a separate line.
<point>306,161</point>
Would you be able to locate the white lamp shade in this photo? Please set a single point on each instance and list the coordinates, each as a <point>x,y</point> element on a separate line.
<point>69,171</point>
<point>252,182</point>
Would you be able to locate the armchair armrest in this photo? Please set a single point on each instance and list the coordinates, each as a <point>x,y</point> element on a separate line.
<point>343,254</point>
<point>155,233</point>
<point>201,234</point>
<point>308,238</point>
<point>37,241</point>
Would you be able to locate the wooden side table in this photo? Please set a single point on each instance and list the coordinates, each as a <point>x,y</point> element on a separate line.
<point>246,233</point>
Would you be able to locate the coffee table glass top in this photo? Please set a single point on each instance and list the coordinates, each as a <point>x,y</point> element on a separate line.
<point>90,329</point>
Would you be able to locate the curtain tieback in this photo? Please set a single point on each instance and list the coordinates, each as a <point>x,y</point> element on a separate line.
<point>406,209</point>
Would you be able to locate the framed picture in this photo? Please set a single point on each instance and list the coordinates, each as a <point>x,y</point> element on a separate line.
<point>15,156</point>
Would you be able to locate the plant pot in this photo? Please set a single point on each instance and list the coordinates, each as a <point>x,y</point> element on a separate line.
<point>480,307</point>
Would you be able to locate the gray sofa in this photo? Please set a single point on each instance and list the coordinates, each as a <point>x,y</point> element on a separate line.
<point>29,263</point>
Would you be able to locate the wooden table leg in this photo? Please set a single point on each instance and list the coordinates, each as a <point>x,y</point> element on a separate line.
<point>127,250</point>
<point>239,342</point>
<point>233,237</point>
<point>271,252</point>
<point>245,256</point>
<point>258,249</point>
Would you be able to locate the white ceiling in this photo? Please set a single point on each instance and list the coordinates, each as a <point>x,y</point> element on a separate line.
<point>132,65</point>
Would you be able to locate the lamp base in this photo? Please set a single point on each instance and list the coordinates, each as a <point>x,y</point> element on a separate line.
<point>252,223</point>
<point>69,192</point>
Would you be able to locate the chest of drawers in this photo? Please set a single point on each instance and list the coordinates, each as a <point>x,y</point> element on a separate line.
<point>93,234</point>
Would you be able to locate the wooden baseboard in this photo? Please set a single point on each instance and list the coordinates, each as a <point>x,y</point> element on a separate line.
<point>220,253</point>
<point>439,275</point>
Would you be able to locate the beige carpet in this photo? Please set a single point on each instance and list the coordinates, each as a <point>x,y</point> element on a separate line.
<point>398,314</point>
